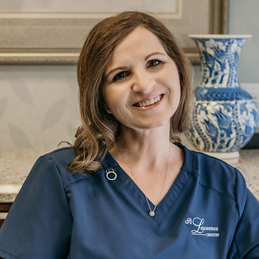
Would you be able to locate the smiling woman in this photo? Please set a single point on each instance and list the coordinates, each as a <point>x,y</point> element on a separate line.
<point>127,188</point>
<point>104,65</point>
<point>142,87</point>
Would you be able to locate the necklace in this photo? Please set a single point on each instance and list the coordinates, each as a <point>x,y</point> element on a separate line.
<point>151,212</point>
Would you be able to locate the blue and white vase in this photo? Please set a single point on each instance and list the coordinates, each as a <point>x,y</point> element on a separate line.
<point>225,116</point>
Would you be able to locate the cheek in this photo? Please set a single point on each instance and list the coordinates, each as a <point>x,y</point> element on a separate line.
<point>171,77</point>
<point>116,92</point>
<point>175,85</point>
<point>113,98</point>
<point>108,96</point>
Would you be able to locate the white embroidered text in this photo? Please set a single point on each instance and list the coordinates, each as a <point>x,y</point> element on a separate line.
<point>199,229</point>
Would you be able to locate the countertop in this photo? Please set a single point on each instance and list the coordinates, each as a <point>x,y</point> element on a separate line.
<point>15,166</point>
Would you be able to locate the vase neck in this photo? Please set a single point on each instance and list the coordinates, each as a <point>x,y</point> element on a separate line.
<point>219,61</point>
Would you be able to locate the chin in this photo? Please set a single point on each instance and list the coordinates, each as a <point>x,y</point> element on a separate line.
<point>150,126</point>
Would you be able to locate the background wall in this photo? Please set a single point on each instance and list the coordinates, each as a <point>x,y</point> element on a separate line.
<point>39,104</point>
<point>244,19</point>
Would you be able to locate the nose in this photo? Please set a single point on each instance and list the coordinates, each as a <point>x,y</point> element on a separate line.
<point>143,82</point>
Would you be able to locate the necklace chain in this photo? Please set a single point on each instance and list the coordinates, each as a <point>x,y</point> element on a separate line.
<point>151,212</point>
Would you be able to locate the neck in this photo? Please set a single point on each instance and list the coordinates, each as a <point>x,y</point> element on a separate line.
<point>150,159</point>
<point>148,146</point>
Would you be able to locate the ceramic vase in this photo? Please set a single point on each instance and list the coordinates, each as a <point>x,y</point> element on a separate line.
<point>225,116</point>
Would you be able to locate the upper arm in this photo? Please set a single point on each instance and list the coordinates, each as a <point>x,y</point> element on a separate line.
<point>39,222</point>
<point>246,239</point>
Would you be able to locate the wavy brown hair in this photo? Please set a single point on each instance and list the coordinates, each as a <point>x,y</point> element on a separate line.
<point>99,129</point>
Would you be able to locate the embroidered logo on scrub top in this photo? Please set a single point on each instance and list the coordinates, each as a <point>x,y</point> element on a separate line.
<point>199,229</point>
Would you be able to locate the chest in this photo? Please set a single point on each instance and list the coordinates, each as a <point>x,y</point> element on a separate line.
<point>111,221</point>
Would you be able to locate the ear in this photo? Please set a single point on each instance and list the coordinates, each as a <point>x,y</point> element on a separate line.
<point>107,109</point>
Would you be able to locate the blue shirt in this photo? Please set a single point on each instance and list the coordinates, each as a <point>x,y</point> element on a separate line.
<point>207,213</point>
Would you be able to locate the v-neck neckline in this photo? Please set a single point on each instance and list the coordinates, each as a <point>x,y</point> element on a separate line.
<point>138,195</point>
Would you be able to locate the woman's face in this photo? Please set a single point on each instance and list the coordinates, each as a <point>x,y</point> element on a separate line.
<point>142,87</point>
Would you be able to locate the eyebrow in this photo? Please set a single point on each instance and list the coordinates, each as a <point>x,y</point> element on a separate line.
<point>146,58</point>
<point>154,53</point>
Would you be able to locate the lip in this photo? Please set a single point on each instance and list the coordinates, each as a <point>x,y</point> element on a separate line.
<point>149,98</point>
<point>149,106</point>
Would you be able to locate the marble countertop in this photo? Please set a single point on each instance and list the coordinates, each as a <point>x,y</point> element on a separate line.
<point>15,166</point>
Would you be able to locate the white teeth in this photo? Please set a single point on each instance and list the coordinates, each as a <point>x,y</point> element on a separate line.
<point>149,102</point>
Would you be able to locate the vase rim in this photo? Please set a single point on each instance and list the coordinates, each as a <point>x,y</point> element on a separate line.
<point>220,36</point>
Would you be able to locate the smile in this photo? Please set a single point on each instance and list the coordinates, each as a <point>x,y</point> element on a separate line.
<point>149,101</point>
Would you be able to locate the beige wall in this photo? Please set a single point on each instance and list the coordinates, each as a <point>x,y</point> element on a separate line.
<point>38,106</point>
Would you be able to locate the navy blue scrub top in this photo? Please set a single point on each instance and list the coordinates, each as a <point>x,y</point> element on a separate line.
<point>207,213</point>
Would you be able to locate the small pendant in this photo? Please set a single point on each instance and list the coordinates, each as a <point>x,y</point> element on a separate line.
<point>152,213</point>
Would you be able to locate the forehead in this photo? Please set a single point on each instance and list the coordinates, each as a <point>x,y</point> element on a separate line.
<point>139,41</point>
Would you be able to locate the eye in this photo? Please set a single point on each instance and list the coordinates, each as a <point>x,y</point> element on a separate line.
<point>154,63</point>
<point>120,76</point>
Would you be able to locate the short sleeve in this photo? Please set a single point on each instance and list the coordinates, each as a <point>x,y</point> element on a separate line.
<point>246,240</point>
<point>39,222</point>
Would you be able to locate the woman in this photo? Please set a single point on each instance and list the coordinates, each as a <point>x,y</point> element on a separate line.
<point>128,188</point>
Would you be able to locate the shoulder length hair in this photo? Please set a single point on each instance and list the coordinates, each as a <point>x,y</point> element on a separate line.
<point>99,130</point>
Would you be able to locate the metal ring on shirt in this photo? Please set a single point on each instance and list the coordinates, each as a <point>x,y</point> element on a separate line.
<point>111,175</point>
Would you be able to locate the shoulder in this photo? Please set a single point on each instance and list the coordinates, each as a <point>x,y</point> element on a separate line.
<point>217,175</point>
<point>210,167</point>
<point>55,162</point>
<point>61,157</point>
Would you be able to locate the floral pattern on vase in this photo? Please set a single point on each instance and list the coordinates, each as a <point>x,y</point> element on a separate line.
<point>225,116</point>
